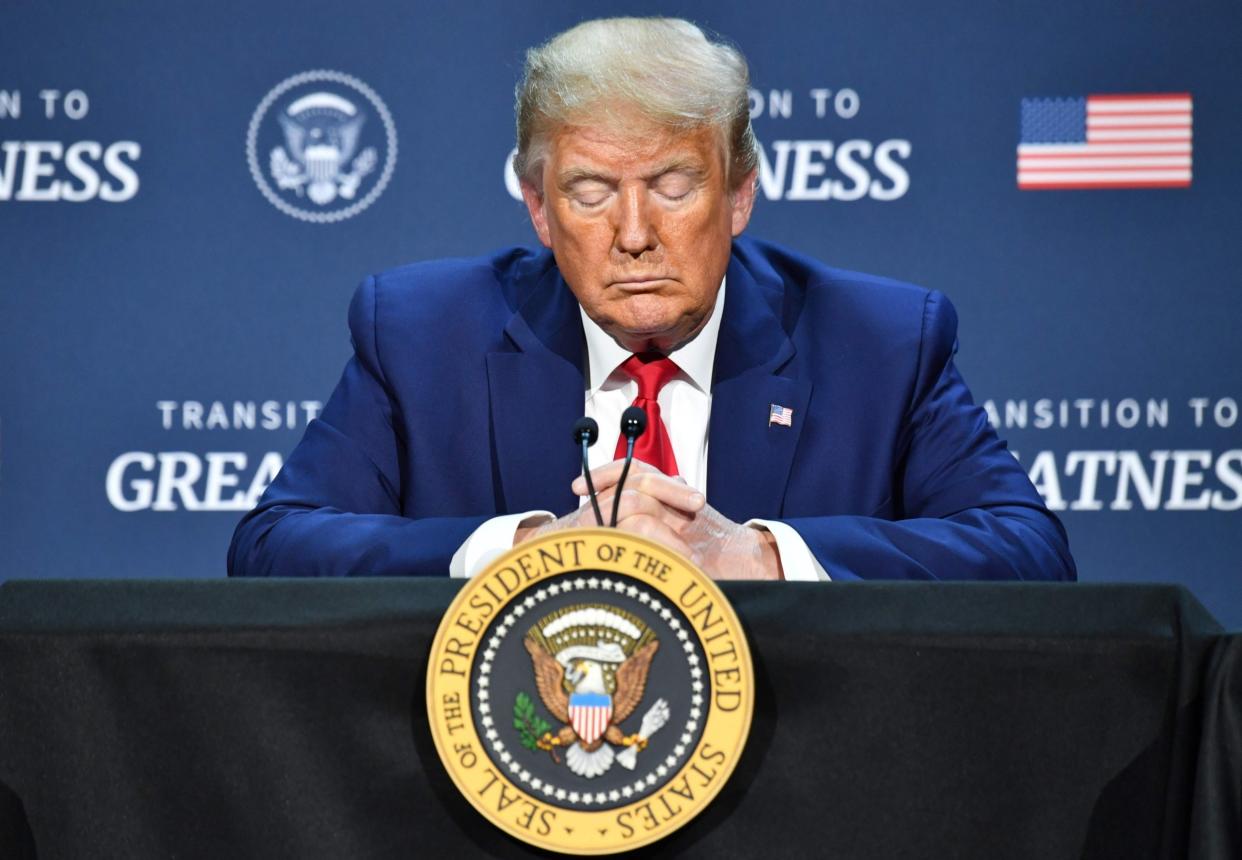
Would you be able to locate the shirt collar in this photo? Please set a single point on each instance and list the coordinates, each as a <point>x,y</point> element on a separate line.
<point>695,359</point>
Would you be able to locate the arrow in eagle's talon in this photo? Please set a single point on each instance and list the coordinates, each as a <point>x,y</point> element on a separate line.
<point>654,720</point>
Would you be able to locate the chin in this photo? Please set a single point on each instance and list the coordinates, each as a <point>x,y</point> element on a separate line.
<point>650,323</point>
<point>648,315</point>
<point>650,340</point>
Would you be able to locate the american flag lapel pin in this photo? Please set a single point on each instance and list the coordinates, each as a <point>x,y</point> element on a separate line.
<point>781,415</point>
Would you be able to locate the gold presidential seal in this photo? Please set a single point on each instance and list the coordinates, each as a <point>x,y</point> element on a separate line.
<point>590,692</point>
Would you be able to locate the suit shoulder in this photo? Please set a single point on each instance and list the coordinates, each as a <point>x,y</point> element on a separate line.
<point>768,260</point>
<point>444,290</point>
<point>847,298</point>
<point>460,280</point>
<point>883,302</point>
<point>445,299</point>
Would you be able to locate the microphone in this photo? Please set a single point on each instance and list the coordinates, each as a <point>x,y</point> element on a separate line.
<point>633,423</point>
<point>586,431</point>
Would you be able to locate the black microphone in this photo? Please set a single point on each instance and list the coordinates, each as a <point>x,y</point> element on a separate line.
<point>633,424</point>
<point>586,431</point>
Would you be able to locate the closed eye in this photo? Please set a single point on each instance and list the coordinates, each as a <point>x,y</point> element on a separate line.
<point>592,200</point>
<point>674,185</point>
<point>587,192</point>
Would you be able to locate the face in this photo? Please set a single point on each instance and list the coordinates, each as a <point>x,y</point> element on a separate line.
<point>641,223</point>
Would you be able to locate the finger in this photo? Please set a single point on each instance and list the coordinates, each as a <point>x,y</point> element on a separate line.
<point>673,492</point>
<point>655,529</point>
<point>688,510</point>
<point>634,502</point>
<point>608,474</point>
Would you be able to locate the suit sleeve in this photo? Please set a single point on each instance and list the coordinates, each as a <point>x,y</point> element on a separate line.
<point>966,508</point>
<point>335,507</point>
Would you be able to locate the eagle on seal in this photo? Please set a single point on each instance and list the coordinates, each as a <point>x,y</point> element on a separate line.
<point>576,692</point>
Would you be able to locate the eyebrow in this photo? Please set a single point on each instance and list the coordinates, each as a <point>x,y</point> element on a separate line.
<point>575,175</point>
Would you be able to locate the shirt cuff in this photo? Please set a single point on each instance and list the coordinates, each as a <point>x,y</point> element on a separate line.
<point>798,563</point>
<point>489,541</point>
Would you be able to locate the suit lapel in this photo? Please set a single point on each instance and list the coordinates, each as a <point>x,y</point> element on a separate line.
<point>537,390</point>
<point>749,458</point>
<point>536,394</point>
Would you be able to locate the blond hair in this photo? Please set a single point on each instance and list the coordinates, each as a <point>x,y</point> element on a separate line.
<point>604,72</point>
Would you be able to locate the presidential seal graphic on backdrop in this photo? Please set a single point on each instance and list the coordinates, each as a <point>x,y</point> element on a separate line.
<point>590,692</point>
<point>321,146</point>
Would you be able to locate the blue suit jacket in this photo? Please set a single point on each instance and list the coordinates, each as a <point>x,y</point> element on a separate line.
<point>467,376</point>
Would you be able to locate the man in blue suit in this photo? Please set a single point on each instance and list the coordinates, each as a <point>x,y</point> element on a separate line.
<point>804,422</point>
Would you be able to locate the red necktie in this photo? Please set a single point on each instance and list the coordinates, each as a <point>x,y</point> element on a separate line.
<point>654,447</point>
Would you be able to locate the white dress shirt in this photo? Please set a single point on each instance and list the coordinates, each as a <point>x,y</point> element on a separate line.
<point>686,407</point>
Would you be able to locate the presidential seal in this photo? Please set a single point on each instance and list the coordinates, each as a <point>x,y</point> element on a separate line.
<point>590,692</point>
<point>321,146</point>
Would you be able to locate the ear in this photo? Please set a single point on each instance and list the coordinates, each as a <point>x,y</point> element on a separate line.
<point>534,200</point>
<point>742,201</point>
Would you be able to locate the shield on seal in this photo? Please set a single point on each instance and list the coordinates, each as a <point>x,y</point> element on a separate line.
<point>589,714</point>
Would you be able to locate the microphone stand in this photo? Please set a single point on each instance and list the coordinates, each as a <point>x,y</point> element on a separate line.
<point>586,431</point>
<point>633,424</point>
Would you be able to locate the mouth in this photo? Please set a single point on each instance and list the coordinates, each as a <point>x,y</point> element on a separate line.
<point>640,285</point>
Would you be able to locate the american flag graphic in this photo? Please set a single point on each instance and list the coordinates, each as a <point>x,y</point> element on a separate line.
<point>782,415</point>
<point>1114,141</point>
<point>589,714</point>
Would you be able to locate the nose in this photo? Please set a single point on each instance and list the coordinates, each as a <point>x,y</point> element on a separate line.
<point>635,231</point>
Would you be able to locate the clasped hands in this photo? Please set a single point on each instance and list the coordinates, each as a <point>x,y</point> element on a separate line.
<point>669,511</point>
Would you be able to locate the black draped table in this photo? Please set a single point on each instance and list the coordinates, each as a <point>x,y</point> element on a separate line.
<point>273,719</point>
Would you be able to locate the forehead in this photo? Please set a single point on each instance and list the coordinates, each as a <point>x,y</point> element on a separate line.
<point>636,150</point>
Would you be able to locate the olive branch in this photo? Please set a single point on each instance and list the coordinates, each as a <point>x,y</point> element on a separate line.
<point>530,725</point>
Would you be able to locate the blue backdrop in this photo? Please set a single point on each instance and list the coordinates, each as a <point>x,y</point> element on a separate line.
<point>190,192</point>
